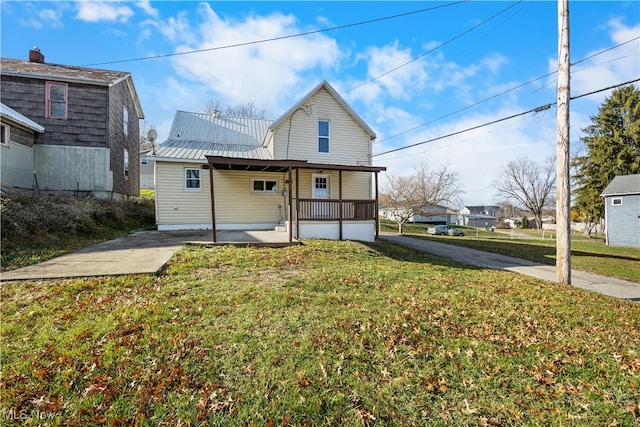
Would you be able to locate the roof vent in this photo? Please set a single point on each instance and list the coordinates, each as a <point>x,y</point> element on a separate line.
<point>36,56</point>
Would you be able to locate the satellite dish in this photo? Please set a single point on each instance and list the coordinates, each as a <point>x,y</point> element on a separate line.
<point>152,135</point>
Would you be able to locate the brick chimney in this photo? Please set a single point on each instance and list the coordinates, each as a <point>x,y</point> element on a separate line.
<point>36,56</point>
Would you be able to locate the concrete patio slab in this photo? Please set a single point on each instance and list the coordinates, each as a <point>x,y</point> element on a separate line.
<point>143,252</point>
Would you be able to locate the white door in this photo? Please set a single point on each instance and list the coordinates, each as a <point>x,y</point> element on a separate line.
<point>321,189</point>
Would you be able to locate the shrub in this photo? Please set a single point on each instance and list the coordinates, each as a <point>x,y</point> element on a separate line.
<point>32,219</point>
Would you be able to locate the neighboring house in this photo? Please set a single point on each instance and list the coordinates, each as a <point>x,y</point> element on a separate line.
<point>432,215</point>
<point>622,211</point>
<point>89,144</point>
<point>18,136</point>
<point>308,172</point>
<point>479,216</point>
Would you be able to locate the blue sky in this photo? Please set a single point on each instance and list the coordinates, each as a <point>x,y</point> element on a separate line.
<point>455,65</point>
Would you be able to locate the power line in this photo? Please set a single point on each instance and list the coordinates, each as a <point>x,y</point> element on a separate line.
<point>533,110</point>
<point>502,93</point>
<point>307,33</point>
<point>378,77</point>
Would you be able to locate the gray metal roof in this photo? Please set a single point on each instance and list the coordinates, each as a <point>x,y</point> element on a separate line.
<point>195,135</point>
<point>623,184</point>
<point>19,118</point>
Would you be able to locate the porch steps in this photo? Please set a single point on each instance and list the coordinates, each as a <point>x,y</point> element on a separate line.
<point>282,227</point>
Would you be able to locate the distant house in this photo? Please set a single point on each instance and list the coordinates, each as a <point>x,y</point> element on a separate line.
<point>479,216</point>
<point>308,173</point>
<point>622,211</point>
<point>69,129</point>
<point>147,157</point>
<point>431,215</point>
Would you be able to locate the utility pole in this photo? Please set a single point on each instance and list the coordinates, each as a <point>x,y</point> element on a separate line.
<point>563,190</point>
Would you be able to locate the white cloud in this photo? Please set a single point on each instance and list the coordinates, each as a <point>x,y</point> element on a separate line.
<point>609,68</point>
<point>96,11</point>
<point>147,8</point>
<point>263,73</point>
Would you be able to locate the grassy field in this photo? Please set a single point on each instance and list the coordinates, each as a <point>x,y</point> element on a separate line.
<point>324,334</point>
<point>591,255</point>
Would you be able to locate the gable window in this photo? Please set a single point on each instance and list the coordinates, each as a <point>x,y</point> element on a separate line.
<point>323,136</point>
<point>616,201</point>
<point>144,161</point>
<point>56,101</point>
<point>125,120</point>
<point>192,179</point>
<point>265,186</point>
<point>4,134</point>
<point>126,162</point>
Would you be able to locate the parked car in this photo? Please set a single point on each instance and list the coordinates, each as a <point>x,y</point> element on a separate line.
<point>445,230</point>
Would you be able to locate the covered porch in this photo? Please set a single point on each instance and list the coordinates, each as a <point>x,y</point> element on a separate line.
<point>335,218</point>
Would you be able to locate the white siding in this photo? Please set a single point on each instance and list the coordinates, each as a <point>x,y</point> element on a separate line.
<point>235,201</point>
<point>175,205</point>
<point>355,185</point>
<point>17,165</point>
<point>67,168</point>
<point>349,142</point>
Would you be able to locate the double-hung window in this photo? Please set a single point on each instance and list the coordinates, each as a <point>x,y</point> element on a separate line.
<point>323,136</point>
<point>56,102</point>
<point>192,179</point>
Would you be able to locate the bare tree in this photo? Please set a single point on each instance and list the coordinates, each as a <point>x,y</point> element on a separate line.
<point>529,185</point>
<point>241,110</point>
<point>406,196</point>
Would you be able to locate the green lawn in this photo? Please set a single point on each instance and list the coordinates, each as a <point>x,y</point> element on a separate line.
<point>326,333</point>
<point>591,255</point>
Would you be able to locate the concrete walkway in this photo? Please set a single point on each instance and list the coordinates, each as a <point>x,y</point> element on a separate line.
<point>601,284</point>
<point>141,252</point>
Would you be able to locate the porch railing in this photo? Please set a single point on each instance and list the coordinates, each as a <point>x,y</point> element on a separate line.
<point>329,210</point>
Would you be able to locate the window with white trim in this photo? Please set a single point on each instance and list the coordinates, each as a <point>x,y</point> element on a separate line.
<point>323,136</point>
<point>193,179</point>
<point>4,134</point>
<point>56,101</point>
<point>264,186</point>
<point>616,201</point>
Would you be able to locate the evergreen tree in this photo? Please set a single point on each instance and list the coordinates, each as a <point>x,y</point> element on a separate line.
<point>612,142</point>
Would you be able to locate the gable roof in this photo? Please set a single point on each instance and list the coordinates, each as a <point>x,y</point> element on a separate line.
<point>623,185</point>
<point>324,84</point>
<point>71,74</point>
<point>12,114</point>
<point>193,136</point>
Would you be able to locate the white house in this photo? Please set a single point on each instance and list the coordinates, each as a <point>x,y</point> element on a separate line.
<point>479,216</point>
<point>309,172</point>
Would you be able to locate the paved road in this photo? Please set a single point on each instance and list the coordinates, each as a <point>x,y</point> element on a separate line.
<point>604,285</point>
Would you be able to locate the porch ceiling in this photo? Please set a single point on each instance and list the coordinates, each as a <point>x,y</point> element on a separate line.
<point>232,163</point>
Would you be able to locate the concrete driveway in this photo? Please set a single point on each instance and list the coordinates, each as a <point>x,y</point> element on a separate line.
<point>141,252</point>
<point>601,284</point>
